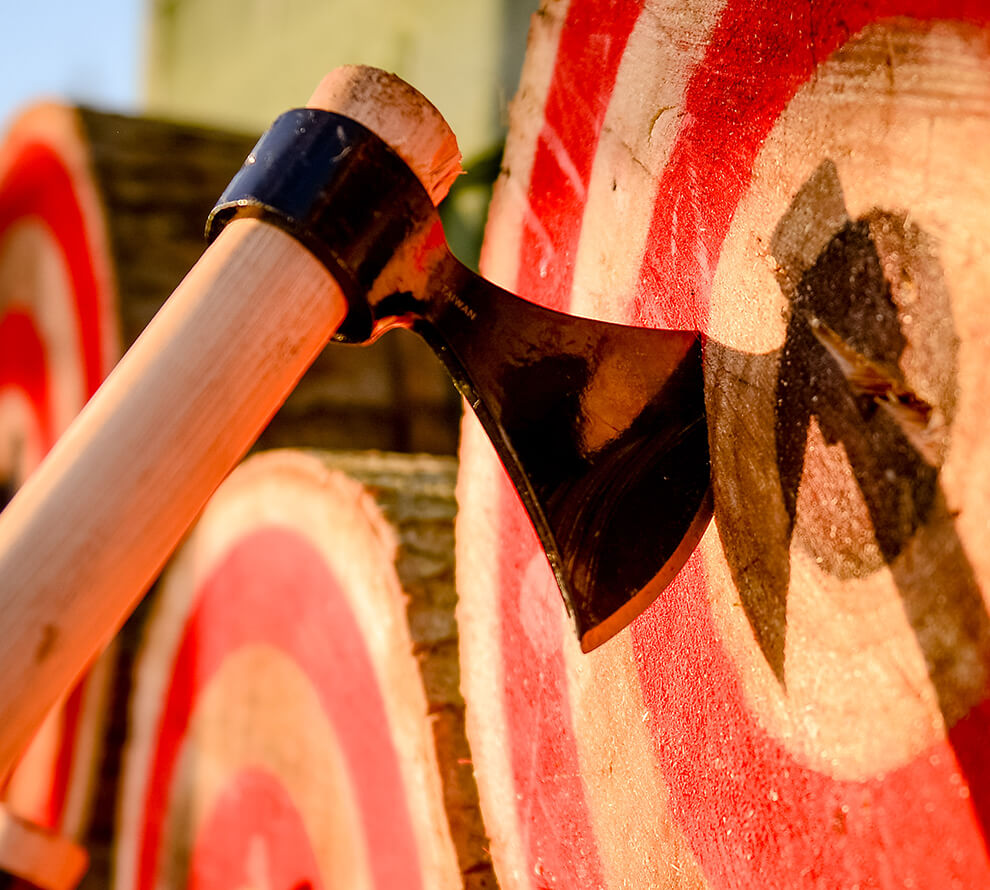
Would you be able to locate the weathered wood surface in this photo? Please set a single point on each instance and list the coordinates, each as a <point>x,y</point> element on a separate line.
<point>295,715</point>
<point>806,705</point>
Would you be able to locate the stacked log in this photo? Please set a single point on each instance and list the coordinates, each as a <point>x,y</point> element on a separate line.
<point>295,718</point>
<point>807,704</point>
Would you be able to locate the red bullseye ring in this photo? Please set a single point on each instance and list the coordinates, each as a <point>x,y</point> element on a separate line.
<point>753,815</point>
<point>253,837</point>
<point>37,186</point>
<point>559,182</point>
<point>22,368</point>
<point>253,599</point>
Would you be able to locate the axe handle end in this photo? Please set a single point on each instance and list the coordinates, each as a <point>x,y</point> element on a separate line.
<point>400,116</point>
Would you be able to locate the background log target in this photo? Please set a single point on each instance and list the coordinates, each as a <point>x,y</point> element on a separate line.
<point>805,706</point>
<point>100,217</point>
<point>295,719</point>
<point>57,340</point>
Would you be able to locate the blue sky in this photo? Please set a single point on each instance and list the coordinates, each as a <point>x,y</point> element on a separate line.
<point>85,51</point>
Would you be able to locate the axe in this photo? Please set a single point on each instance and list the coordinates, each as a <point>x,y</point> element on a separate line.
<point>330,230</point>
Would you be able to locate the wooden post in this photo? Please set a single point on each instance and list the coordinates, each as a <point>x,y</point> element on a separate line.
<point>807,705</point>
<point>295,706</point>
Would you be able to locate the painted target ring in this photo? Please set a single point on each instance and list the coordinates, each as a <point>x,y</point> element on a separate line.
<point>57,341</point>
<point>713,731</point>
<point>279,731</point>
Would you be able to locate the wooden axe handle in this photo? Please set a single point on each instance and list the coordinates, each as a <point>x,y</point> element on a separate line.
<point>34,856</point>
<point>94,525</point>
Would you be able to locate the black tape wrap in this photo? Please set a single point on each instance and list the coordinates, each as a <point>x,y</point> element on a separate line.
<point>337,188</point>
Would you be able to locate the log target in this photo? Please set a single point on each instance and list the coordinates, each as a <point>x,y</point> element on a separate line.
<point>57,340</point>
<point>35,857</point>
<point>806,705</point>
<point>295,719</point>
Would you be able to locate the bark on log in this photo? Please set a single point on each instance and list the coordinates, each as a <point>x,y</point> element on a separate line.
<point>808,704</point>
<point>295,706</point>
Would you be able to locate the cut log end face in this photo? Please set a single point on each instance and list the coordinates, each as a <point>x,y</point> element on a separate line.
<point>844,439</point>
<point>816,679</point>
<point>301,662</point>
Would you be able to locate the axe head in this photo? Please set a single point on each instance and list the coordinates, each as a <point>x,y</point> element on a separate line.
<point>602,429</point>
<point>600,426</point>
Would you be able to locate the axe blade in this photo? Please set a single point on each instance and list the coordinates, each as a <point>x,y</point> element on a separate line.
<point>600,426</point>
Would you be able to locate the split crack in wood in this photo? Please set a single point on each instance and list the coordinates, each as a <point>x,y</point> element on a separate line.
<point>918,419</point>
